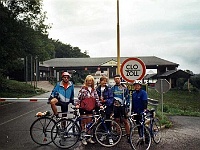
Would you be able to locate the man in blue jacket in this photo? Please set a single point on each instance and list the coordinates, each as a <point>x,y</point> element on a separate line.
<point>139,100</point>
<point>62,94</point>
<point>121,103</point>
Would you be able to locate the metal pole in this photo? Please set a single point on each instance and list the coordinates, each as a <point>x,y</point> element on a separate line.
<point>31,70</point>
<point>118,40</point>
<point>26,69</point>
<point>36,71</point>
<point>161,87</point>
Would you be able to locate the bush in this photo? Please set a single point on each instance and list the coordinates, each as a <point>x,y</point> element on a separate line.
<point>195,80</point>
<point>12,88</point>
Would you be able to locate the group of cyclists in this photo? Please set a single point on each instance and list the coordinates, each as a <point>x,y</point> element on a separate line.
<point>90,98</point>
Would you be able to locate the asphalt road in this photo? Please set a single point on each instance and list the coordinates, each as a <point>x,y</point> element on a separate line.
<point>16,119</point>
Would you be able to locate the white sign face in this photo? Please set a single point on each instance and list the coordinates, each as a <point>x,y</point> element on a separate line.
<point>133,69</point>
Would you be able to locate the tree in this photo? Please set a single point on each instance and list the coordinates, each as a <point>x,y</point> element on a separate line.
<point>23,34</point>
<point>28,11</point>
<point>195,81</point>
<point>67,51</point>
<point>20,36</point>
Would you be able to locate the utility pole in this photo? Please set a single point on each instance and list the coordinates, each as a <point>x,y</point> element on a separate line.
<point>118,40</point>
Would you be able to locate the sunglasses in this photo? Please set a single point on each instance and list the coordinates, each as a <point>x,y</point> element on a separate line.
<point>66,77</point>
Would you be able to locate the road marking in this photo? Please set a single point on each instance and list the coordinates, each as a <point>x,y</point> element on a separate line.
<point>21,115</point>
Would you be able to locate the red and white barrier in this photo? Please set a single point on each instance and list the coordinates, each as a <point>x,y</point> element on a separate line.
<point>23,99</point>
<point>26,99</point>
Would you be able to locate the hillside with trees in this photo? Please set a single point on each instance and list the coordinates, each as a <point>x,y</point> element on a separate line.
<point>23,35</point>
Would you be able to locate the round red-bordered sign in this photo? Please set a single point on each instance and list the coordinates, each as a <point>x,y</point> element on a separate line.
<point>133,69</point>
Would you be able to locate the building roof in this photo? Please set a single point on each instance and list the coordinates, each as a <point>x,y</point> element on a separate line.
<point>168,73</point>
<point>151,76</point>
<point>175,74</point>
<point>150,61</point>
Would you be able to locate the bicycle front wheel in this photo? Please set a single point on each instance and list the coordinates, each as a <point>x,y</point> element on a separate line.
<point>156,130</point>
<point>40,130</point>
<point>65,133</point>
<point>140,138</point>
<point>108,133</point>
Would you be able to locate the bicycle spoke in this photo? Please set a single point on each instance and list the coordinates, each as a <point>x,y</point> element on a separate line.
<point>156,131</point>
<point>65,133</point>
<point>108,134</point>
<point>139,142</point>
<point>40,130</point>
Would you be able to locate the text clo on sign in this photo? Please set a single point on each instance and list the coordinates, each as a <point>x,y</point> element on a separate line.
<point>132,70</point>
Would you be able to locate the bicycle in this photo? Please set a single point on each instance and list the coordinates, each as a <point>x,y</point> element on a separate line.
<point>67,132</point>
<point>40,130</point>
<point>154,126</point>
<point>140,137</point>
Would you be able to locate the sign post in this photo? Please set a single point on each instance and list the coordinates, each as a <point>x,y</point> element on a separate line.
<point>162,86</point>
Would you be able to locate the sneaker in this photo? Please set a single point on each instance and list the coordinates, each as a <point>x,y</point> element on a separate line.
<point>103,138</point>
<point>155,130</point>
<point>84,142</point>
<point>111,141</point>
<point>90,141</point>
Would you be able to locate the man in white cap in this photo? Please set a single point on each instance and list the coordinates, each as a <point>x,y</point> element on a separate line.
<point>62,94</point>
<point>139,98</point>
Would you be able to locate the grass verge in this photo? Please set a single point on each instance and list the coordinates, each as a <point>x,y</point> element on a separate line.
<point>12,89</point>
<point>176,102</point>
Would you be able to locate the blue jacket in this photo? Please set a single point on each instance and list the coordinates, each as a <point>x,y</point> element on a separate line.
<point>122,92</point>
<point>107,95</point>
<point>139,101</point>
<point>62,94</point>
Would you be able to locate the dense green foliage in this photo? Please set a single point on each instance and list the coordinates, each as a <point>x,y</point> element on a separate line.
<point>195,81</point>
<point>63,50</point>
<point>24,34</point>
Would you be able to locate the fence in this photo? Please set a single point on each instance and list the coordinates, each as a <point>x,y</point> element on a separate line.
<point>153,102</point>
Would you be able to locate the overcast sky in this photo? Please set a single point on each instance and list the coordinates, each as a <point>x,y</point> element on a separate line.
<point>169,29</point>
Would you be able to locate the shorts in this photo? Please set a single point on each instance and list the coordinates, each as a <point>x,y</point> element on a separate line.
<point>63,105</point>
<point>120,112</point>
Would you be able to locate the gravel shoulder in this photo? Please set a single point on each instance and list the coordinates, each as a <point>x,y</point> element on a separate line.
<point>184,135</point>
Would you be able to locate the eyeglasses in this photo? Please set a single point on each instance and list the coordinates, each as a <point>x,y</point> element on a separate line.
<point>66,77</point>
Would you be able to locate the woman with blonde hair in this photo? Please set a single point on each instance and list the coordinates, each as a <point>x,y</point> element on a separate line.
<point>88,99</point>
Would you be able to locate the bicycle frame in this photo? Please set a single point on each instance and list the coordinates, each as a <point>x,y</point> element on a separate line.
<point>154,127</point>
<point>96,120</point>
<point>100,126</point>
